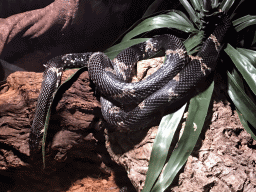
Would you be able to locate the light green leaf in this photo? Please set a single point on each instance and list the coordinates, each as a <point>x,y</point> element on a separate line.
<point>237,6</point>
<point>152,8</point>
<point>173,19</point>
<point>237,78</point>
<point>249,54</point>
<point>244,66</point>
<point>245,124</point>
<point>47,119</point>
<point>226,4</point>
<point>197,112</point>
<point>192,43</point>
<point>243,19</point>
<point>215,3</point>
<point>46,125</point>
<point>190,11</point>
<point>162,143</point>
<point>197,4</point>
<point>113,51</point>
<point>243,103</point>
<point>244,22</point>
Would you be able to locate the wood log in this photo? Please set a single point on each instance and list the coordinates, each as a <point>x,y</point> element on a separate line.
<point>70,127</point>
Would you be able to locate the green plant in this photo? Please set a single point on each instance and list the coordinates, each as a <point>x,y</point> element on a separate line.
<point>244,61</point>
<point>241,78</point>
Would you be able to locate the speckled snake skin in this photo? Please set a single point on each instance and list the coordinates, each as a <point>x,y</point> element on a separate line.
<point>130,106</point>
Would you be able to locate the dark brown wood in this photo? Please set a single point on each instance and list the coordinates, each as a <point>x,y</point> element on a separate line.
<point>71,126</point>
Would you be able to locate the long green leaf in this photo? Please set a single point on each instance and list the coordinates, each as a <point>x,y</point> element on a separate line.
<point>226,4</point>
<point>245,124</point>
<point>113,51</point>
<point>244,66</point>
<point>243,103</point>
<point>46,125</point>
<point>162,143</point>
<point>197,4</point>
<point>215,4</point>
<point>190,11</point>
<point>243,19</point>
<point>197,112</point>
<point>192,43</point>
<point>249,54</point>
<point>207,5</point>
<point>234,11</point>
<point>47,119</point>
<point>152,8</point>
<point>238,79</point>
<point>244,22</point>
<point>173,19</point>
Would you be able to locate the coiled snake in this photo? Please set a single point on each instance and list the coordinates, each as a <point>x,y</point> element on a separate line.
<point>177,78</point>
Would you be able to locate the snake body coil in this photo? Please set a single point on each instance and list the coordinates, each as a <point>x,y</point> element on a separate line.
<point>176,79</point>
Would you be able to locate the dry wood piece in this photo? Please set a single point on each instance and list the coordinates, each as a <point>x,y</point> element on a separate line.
<point>71,126</point>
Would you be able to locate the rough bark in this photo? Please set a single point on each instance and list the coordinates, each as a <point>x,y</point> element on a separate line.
<point>71,124</point>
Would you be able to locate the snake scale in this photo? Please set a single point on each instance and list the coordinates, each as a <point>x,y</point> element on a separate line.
<point>130,106</point>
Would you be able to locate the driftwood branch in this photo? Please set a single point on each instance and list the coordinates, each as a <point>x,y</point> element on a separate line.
<point>71,123</point>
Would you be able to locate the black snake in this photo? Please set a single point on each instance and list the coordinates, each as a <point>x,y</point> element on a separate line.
<point>130,106</point>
